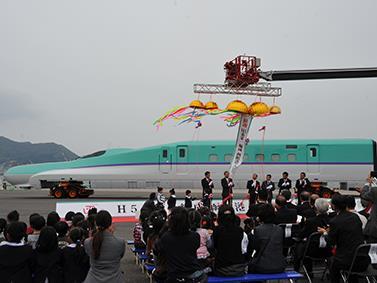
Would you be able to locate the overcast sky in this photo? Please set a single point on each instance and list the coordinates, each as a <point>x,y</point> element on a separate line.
<point>96,74</point>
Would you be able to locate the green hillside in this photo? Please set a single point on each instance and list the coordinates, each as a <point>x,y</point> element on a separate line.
<point>16,153</point>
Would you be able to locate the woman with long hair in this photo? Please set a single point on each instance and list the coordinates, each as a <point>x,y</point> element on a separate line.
<point>179,245</point>
<point>105,252</point>
<point>230,243</point>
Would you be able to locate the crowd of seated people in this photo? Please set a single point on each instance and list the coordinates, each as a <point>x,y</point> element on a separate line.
<point>188,244</point>
<point>74,250</point>
<point>225,247</point>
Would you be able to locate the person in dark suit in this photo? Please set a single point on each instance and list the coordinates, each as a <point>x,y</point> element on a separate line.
<point>227,185</point>
<point>188,199</point>
<point>269,187</point>
<point>16,258</point>
<point>254,209</point>
<point>311,226</point>
<point>305,209</point>
<point>253,187</point>
<point>267,242</point>
<point>172,200</point>
<point>207,185</point>
<point>48,257</point>
<point>75,260</point>
<point>321,219</point>
<point>284,183</point>
<point>148,207</point>
<point>288,196</point>
<point>283,213</point>
<point>345,232</point>
<point>369,194</point>
<point>302,185</point>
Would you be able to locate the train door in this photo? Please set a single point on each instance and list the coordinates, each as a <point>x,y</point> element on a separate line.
<point>312,158</point>
<point>164,160</point>
<point>182,159</point>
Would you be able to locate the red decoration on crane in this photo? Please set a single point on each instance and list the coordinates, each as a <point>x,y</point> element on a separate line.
<point>242,71</point>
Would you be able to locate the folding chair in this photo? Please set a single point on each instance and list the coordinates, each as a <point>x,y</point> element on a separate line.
<point>322,248</point>
<point>290,237</point>
<point>370,274</point>
<point>137,252</point>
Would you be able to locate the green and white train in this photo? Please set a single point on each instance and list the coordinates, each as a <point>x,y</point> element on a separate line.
<point>343,163</point>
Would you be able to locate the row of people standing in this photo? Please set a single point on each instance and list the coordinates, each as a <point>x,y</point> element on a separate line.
<point>254,187</point>
<point>208,186</point>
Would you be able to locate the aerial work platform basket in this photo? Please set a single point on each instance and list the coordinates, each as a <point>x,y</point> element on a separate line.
<point>241,78</point>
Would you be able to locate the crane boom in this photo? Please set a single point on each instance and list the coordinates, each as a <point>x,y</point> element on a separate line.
<point>243,77</point>
<point>319,74</point>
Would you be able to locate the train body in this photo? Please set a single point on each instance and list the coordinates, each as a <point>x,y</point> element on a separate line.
<point>341,163</point>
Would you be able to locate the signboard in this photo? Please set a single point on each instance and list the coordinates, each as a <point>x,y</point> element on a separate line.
<point>129,210</point>
<point>241,142</point>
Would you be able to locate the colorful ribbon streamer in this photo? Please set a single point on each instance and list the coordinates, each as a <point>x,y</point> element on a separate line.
<point>185,114</point>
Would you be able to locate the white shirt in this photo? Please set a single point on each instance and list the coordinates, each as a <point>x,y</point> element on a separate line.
<point>244,243</point>
<point>6,243</point>
<point>362,218</point>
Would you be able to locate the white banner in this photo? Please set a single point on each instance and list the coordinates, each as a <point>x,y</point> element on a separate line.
<point>129,210</point>
<point>241,142</point>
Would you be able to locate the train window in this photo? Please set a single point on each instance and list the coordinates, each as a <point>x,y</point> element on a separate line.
<point>313,152</point>
<point>291,157</point>
<point>246,157</point>
<point>165,153</point>
<point>259,157</point>
<point>275,157</point>
<point>213,158</point>
<point>96,154</point>
<point>291,146</point>
<point>152,184</point>
<point>182,153</point>
<point>132,184</point>
<point>228,157</point>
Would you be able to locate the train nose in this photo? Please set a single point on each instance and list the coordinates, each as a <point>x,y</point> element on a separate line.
<point>16,179</point>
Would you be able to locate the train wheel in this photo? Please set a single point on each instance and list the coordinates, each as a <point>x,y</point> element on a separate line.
<point>72,194</point>
<point>58,193</point>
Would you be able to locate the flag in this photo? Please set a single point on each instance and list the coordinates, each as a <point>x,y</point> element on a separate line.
<point>262,129</point>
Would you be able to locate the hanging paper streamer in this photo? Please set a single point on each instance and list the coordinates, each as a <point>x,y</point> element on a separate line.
<point>241,142</point>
